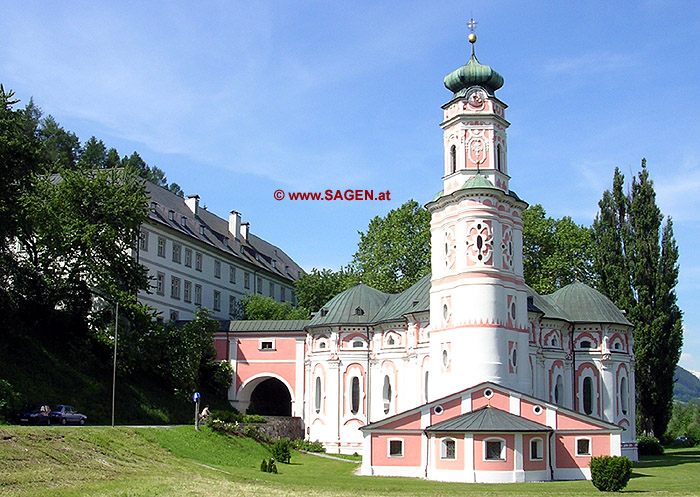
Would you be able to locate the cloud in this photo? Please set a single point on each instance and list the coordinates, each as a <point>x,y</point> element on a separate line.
<point>592,63</point>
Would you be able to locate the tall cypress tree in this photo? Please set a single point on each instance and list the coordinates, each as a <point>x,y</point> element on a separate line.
<point>637,262</point>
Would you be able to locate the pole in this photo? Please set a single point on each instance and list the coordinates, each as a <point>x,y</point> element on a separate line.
<point>114,368</point>
<point>196,414</point>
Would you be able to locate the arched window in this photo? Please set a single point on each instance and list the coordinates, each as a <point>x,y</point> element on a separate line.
<point>453,159</point>
<point>623,395</point>
<point>448,449</point>
<point>585,344</point>
<point>498,157</point>
<point>559,390</point>
<point>317,395</point>
<point>386,394</point>
<point>536,452</point>
<point>588,395</point>
<point>355,395</point>
<point>425,386</point>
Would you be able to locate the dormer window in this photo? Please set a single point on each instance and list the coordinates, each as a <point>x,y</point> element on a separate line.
<point>324,312</point>
<point>359,311</point>
<point>153,206</point>
<point>201,229</point>
<point>171,215</point>
<point>183,222</point>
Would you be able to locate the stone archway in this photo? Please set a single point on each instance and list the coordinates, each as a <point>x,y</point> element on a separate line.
<point>271,398</point>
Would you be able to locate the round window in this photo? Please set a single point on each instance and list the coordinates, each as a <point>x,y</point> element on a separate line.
<point>438,410</point>
<point>488,393</point>
<point>512,310</point>
<point>537,410</point>
<point>445,312</point>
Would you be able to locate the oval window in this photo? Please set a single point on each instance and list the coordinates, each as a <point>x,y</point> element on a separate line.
<point>355,395</point>
<point>317,396</point>
<point>588,395</point>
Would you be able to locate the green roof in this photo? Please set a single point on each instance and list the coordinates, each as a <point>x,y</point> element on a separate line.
<point>356,305</point>
<point>414,299</point>
<point>255,325</point>
<point>478,181</point>
<point>473,73</point>
<point>487,419</point>
<point>585,304</point>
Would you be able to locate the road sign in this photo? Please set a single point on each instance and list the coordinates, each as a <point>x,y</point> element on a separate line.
<point>195,397</point>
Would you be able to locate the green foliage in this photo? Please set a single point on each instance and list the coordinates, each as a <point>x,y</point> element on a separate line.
<point>216,377</point>
<point>307,445</point>
<point>556,252</point>
<point>685,422</point>
<point>282,450</point>
<point>637,259</point>
<point>316,288</point>
<point>649,446</point>
<point>264,466</point>
<point>9,400</point>
<point>394,253</point>
<point>610,474</point>
<point>259,307</point>
<point>234,416</point>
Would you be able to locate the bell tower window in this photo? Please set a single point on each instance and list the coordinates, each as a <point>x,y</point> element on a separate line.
<point>498,158</point>
<point>453,159</point>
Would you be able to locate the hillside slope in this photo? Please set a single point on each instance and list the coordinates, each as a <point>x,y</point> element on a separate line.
<point>686,386</point>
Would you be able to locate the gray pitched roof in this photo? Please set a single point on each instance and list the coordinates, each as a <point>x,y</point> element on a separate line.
<point>254,251</point>
<point>257,325</point>
<point>487,419</point>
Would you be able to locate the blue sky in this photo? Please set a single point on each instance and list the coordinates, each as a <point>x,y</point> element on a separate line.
<point>237,99</point>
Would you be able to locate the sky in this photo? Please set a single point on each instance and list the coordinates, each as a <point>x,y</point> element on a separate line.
<point>235,100</point>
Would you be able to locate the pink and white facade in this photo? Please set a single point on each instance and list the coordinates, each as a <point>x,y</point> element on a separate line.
<point>367,369</point>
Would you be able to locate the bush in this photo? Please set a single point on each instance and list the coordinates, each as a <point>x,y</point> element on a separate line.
<point>253,418</point>
<point>307,445</point>
<point>649,446</point>
<point>281,450</point>
<point>610,474</point>
<point>268,466</point>
<point>9,400</point>
<point>263,466</point>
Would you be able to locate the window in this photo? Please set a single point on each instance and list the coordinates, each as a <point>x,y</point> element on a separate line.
<point>357,344</point>
<point>583,446</point>
<point>183,222</point>
<point>588,395</point>
<point>231,305</point>
<point>258,285</point>
<point>395,448</point>
<point>355,395</point>
<point>498,157</point>
<point>448,449</point>
<point>177,250</point>
<point>171,215</point>
<point>160,284</point>
<point>495,449</point>
<point>198,294</point>
<point>232,274</point>
<point>536,453</point>
<point>322,345</point>
<point>623,395</point>
<point>198,261</point>
<point>390,340</point>
<point>174,315</point>
<point>425,386</point>
<point>188,257</point>
<point>272,290</point>
<point>217,268</point>
<point>246,279</point>
<point>175,287</point>
<point>143,241</point>
<point>386,394</point>
<point>161,246</point>
<point>217,300</point>
<point>317,395</point>
<point>585,344</point>
<point>283,296</point>
<point>266,345</point>
<point>559,390</point>
<point>453,159</point>
<point>187,292</point>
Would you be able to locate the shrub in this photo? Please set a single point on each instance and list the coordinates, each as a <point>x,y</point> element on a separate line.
<point>307,445</point>
<point>226,416</point>
<point>268,466</point>
<point>253,418</point>
<point>9,400</point>
<point>252,432</point>
<point>263,466</point>
<point>281,450</point>
<point>649,446</point>
<point>610,474</point>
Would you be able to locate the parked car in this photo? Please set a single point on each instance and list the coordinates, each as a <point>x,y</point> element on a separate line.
<point>66,414</point>
<point>34,414</point>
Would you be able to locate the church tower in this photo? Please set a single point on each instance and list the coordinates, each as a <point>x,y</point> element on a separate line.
<point>478,302</point>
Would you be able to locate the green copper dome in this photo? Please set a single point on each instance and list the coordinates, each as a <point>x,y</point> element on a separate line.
<point>471,74</point>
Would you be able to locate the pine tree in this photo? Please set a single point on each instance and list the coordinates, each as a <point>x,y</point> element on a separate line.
<point>637,261</point>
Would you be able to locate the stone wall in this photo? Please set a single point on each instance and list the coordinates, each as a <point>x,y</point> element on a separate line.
<point>279,427</point>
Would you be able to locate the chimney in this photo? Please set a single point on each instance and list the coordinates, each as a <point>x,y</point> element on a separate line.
<point>234,224</point>
<point>245,228</point>
<point>192,203</point>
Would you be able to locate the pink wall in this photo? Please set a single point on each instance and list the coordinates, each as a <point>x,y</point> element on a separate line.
<point>453,464</point>
<point>246,371</point>
<point>248,348</point>
<point>481,465</point>
<point>568,422</point>
<point>411,449</point>
<point>566,449</point>
<point>411,422</point>
<point>529,465</point>
<point>220,347</point>
<point>499,400</point>
<point>450,410</point>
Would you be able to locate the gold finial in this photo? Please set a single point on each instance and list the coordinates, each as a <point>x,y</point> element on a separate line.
<point>472,37</point>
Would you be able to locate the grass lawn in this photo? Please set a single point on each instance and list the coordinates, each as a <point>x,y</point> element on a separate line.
<point>177,461</point>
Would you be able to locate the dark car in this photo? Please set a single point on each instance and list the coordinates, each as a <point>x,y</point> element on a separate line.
<point>66,415</point>
<point>34,414</point>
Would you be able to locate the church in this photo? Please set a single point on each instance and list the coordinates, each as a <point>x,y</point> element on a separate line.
<point>469,375</point>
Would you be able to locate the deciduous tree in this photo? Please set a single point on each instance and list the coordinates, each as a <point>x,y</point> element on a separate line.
<point>316,288</point>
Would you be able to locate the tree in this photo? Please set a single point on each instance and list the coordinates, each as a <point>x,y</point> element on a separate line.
<point>60,148</point>
<point>631,242</point>
<point>316,288</point>
<point>556,252</point>
<point>93,155</point>
<point>394,253</point>
<point>259,307</point>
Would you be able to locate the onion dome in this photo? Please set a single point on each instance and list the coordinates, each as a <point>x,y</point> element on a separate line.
<point>473,73</point>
